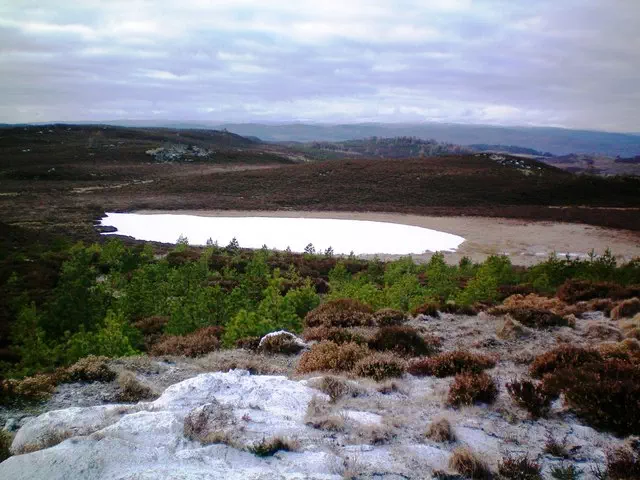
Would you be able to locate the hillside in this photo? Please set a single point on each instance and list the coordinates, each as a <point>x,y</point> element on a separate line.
<point>558,141</point>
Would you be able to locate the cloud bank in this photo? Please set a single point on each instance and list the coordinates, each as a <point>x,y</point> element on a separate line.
<point>572,63</point>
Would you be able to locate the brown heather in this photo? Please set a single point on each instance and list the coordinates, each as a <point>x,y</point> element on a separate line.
<point>89,369</point>
<point>623,463</point>
<point>194,344</point>
<point>403,340</point>
<point>340,313</point>
<point>572,291</point>
<point>248,343</point>
<point>380,366</point>
<point>530,396</point>
<point>388,317</point>
<point>626,309</point>
<point>563,356</point>
<point>519,468</point>
<point>280,344</point>
<point>470,388</point>
<point>330,356</point>
<point>334,334</point>
<point>448,364</point>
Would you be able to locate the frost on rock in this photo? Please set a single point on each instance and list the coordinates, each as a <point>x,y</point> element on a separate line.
<point>148,440</point>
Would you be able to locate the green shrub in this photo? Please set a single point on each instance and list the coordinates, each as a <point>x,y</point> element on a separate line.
<point>5,443</point>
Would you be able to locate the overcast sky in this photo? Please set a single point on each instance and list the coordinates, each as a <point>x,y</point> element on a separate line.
<point>572,63</point>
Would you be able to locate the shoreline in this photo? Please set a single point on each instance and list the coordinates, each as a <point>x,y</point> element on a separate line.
<point>525,242</point>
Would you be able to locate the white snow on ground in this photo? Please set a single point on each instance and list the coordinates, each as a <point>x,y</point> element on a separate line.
<point>344,236</point>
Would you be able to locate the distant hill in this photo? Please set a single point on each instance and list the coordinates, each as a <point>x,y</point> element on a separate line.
<point>557,141</point>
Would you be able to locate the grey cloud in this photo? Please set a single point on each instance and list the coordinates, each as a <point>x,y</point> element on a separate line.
<point>542,63</point>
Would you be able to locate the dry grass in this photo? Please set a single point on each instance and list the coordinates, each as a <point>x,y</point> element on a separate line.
<point>47,440</point>
<point>340,313</point>
<point>210,423</point>
<point>468,464</point>
<point>269,447</point>
<point>556,448</point>
<point>194,344</point>
<point>330,356</point>
<point>5,443</point>
<point>373,434</point>
<point>320,415</point>
<point>388,317</point>
<point>131,389</point>
<point>440,430</point>
<point>519,468</point>
<point>603,331</point>
<point>626,309</point>
<point>380,366</point>
<point>470,388</point>
<point>36,388</point>
<point>451,363</point>
<point>335,387</point>
<point>530,396</point>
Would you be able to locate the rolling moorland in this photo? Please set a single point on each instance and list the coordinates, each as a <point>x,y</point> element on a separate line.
<point>398,370</point>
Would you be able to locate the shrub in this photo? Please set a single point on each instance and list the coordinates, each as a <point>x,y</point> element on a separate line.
<point>131,389</point>
<point>380,366</point>
<point>538,318</point>
<point>605,393</point>
<point>566,472</point>
<point>519,468</point>
<point>555,448</point>
<point>248,343</point>
<point>267,448</point>
<point>330,356</point>
<point>448,364</point>
<point>388,317</point>
<point>5,443</point>
<point>430,309</point>
<point>282,343</point>
<point>470,388</point>
<point>626,309</point>
<point>623,463</point>
<point>468,464</point>
<point>402,340</point>
<point>340,313</point>
<point>193,344</point>
<point>36,388</point>
<point>334,334</point>
<point>90,369</point>
<point>440,431</point>
<point>627,350</point>
<point>530,396</point>
<point>459,309</point>
<point>572,291</point>
<point>151,325</point>
<point>537,302</point>
<point>561,357</point>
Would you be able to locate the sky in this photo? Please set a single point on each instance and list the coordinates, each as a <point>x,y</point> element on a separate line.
<point>569,63</point>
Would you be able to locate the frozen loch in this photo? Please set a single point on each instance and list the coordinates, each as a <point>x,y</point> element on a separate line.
<point>344,236</point>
